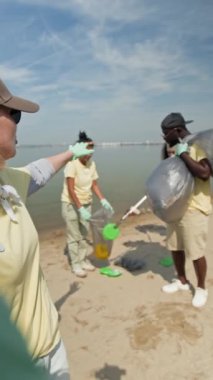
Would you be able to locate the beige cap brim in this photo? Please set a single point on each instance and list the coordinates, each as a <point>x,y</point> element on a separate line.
<point>21,104</point>
<point>9,100</point>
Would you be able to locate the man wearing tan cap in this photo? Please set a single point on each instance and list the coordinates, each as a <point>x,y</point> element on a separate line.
<point>22,283</point>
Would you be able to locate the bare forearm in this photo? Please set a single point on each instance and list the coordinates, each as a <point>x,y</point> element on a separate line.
<point>59,160</point>
<point>96,189</point>
<point>199,169</point>
<point>74,198</point>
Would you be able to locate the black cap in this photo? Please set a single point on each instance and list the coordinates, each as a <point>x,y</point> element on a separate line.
<point>174,120</point>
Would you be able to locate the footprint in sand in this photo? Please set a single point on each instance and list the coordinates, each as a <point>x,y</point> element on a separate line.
<point>162,321</point>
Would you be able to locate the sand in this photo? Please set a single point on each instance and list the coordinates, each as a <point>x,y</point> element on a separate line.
<point>126,328</point>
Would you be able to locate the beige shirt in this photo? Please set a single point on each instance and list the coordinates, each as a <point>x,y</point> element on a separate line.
<point>84,175</point>
<point>22,283</point>
<point>201,196</point>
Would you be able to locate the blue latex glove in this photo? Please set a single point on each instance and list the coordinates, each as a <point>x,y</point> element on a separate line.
<point>106,205</point>
<point>84,213</point>
<point>80,149</point>
<point>181,148</point>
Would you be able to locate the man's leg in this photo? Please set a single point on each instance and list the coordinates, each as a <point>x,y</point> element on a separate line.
<point>179,262</point>
<point>195,241</point>
<point>201,294</point>
<point>175,245</point>
<point>181,283</point>
<point>200,266</point>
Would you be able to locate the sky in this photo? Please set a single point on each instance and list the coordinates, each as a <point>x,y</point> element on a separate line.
<point>114,68</point>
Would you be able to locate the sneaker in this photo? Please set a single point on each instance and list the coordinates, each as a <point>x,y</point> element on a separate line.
<point>79,272</point>
<point>86,265</point>
<point>200,297</point>
<point>174,286</point>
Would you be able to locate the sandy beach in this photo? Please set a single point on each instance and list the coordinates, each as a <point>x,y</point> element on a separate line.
<point>126,328</point>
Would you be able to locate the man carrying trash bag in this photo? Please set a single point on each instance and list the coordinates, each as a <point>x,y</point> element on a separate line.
<point>187,236</point>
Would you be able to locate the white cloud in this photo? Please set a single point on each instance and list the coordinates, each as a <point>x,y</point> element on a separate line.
<point>111,60</point>
<point>101,10</point>
<point>17,75</point>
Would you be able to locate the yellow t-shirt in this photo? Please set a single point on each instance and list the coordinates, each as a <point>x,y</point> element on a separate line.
<point>22,284</point>
<point>201,196</point>
<point>84,176</point>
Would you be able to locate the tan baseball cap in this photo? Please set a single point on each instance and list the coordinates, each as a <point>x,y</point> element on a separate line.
<point>9,100</point>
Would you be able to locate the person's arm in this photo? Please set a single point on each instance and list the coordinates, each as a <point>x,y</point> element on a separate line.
<point>84,213</point>
<point>74,151</point>
<point>200,169</point>
<point>59,160</point>
<point>105,203</point>
<point>41,171</point>
<point>71,191</point>
<point>96,189</point>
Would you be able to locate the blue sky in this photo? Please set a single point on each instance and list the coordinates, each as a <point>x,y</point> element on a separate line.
<point>114,68</point>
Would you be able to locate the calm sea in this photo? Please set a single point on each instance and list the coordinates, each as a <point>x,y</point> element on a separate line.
<point>123,171</point>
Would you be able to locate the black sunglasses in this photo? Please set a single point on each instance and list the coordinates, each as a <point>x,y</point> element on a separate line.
<point>16,115</point>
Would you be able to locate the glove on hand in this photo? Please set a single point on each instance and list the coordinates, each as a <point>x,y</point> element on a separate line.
<point>80,149</point>
<point>181,148</point>
<point>106,205</point>
<point>84,213</point>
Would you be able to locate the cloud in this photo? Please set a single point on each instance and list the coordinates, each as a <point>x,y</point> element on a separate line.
<point>100,59</point>
<point>16,75</point>
<point>117,10</point>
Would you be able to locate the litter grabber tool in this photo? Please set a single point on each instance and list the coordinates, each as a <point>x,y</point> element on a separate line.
<point>111,230</point>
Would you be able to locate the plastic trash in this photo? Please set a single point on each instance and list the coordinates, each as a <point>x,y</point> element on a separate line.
<point>110,231</point>
<point>171,184</point>
<point>167,261</point>
<point>169,188</point>
<point>102,247</point>
<point>110,272</point>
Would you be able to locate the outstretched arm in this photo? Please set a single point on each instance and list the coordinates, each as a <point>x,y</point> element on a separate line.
<point>74,151</point>
<point>60,160</point>
<point>42,170</point>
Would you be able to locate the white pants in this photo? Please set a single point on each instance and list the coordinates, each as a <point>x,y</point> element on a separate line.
<point>55,363</point>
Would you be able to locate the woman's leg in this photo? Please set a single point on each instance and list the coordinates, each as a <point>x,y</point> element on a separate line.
<point>73,233</point>
<point>83,245</point>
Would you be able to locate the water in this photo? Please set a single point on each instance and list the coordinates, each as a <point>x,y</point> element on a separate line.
<point>122,171</point>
